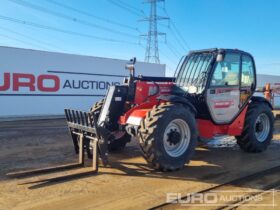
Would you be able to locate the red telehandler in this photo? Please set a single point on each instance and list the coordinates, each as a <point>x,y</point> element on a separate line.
<point>211,94</point>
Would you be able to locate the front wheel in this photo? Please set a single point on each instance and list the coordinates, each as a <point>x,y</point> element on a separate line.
<point>168,136</point>
<point>258,128</point>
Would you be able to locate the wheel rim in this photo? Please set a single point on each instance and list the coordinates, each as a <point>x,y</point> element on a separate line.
<point>262,127</point>
<point>176,137</point>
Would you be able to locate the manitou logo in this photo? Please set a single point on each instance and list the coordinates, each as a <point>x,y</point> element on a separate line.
<point>43,82</point>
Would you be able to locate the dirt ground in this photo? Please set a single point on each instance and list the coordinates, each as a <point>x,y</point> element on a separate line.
<point>128,184</point>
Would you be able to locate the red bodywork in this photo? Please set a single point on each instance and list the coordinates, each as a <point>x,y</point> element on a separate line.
<point>146,98</point>
<point>207,129</point>
<point>149,91</point>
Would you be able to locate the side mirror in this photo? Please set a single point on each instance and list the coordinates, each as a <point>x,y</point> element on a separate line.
<point>220,57</point>
<point>130,66</point>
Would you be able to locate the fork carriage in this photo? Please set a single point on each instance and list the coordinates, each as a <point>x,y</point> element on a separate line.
<point>87,136</point>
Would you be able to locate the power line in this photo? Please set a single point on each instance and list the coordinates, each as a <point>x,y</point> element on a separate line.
<point>171,60</point>
<point>31,38</point>
<point>73,19</point>
<point>91,15</point>
<point>179,42</point>
<point>180,35</point>
<point>130,6</point>
<point>173,49</point>
<point>126,8</point>
<point>23,22</point>
<point>22,41</point>
<point>176,29</point>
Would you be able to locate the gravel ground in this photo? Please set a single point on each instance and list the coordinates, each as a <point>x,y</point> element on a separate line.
<point>129,183</point>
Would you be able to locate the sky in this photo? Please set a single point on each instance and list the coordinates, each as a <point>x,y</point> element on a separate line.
<point>113,28</point>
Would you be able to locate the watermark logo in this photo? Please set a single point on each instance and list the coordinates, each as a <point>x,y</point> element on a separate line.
<point>224,198</point>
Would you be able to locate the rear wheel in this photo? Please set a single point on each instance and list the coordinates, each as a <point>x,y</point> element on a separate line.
<point>121,138</point>
<point>168,136</point>
<point>258,128</point>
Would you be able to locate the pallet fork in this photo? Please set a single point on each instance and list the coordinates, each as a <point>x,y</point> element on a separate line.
<point>87,137</point>
<point>86,134</point>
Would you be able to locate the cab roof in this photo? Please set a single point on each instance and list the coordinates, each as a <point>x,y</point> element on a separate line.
<point>217,50</point>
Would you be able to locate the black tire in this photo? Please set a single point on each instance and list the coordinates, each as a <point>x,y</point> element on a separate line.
<point>151,136</point>
<point>116,144</point>
<point>119,144</point>
<point>248,141</point>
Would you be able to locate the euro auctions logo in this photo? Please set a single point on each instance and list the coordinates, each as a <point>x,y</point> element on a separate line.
<point>57,83</point>
<point>42,83</point>
<point>221,199</point>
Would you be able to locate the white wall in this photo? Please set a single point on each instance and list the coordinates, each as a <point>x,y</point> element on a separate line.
<point>262,79</point>
<point>94,73</point>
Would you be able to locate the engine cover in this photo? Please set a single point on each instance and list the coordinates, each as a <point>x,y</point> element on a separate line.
<point>148,91</point>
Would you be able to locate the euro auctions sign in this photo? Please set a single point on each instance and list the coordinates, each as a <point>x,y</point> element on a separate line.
<point>57,83</point>
<point>35,83</point>
<point>15,81</point>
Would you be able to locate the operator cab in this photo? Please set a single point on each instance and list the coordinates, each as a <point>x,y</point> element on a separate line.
<point>219,82</point>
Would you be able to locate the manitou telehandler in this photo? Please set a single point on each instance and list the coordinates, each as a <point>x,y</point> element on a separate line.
<point>211,94</point>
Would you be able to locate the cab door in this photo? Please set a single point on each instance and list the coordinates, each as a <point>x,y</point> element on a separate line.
<point>248,79</point>
<point>223,94</point>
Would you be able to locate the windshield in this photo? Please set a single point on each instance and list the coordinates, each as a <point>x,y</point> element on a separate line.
<point>193,72</point>
<point>179,66</point>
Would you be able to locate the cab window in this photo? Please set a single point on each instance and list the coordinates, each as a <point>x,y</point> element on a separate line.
<point>226,72</point>
<point>247,76</point>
